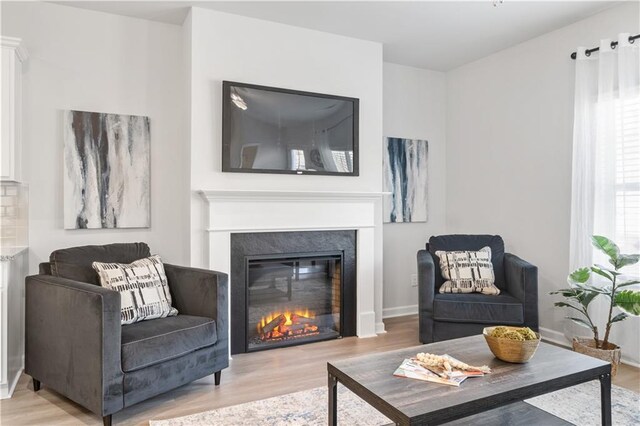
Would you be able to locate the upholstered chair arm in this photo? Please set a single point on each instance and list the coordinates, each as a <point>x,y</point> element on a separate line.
<point>73,338</point>
<point>522,283</point>
<point>426,281</point>
<point>201,292</point>
<point>426,293</point>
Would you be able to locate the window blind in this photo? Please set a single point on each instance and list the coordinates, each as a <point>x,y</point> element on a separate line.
<point>627,209</point>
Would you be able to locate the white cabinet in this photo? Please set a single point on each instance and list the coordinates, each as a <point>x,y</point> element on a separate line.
<point>13,269</point>
<point>13,56</point>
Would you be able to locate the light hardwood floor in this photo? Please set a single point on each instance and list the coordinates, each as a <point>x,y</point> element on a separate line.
<point>250,377</point>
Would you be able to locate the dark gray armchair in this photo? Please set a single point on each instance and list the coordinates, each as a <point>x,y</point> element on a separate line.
<point>449,316</point>
<point>76,345</point>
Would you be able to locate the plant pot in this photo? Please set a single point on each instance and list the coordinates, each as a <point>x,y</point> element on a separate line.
<point>611,353</point>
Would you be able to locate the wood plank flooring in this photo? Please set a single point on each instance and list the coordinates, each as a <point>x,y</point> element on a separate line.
<point>250,377</point>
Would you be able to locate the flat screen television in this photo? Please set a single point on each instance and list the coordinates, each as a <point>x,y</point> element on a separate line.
<point>272,130</point>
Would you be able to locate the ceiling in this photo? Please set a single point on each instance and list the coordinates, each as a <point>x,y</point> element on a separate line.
<point>437,35</point>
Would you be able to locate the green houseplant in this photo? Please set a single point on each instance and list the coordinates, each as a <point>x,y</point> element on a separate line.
<point>586,284</point>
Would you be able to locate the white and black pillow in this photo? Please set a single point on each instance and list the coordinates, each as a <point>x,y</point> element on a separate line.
<point>143,287</point>
<point>467,272</point>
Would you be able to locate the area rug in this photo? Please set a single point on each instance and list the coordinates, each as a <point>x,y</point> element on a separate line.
<point>579,405</point>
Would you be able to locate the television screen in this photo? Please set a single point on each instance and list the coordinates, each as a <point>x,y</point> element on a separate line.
<point>271,130</point>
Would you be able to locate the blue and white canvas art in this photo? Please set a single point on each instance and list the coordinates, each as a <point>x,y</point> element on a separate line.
<point>405,176</point>
<point>106,170</point>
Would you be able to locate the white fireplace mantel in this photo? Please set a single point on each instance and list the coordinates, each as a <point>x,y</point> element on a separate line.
<point>285,195</point>
<point>238,211</point>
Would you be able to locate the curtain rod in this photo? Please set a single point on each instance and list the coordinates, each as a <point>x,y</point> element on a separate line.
<point>588,52</point>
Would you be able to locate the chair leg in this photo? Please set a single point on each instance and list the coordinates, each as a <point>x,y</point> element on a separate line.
<point>217,375</point>
<point>106,420</point>
<point>36,385</point>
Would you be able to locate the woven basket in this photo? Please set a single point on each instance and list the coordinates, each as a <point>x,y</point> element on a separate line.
<point>509,350</point>
<point>587,346</point>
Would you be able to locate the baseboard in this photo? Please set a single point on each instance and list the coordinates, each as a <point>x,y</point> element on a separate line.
<point>399,311</point>
<point>8,391</point>
<point>629,362</point>
<point>380,328</point>
<point>554,337</point>
<point>561,340</point>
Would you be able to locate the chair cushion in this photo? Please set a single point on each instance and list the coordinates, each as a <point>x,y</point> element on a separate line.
<point>152,342</point>
<point>74,263</point>
<point>478,308</point>
<point>472,243</point>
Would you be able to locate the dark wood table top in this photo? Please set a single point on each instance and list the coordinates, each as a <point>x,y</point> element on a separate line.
<point>402,399</point>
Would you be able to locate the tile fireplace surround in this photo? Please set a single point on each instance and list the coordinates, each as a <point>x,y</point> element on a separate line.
<point>242,211</point>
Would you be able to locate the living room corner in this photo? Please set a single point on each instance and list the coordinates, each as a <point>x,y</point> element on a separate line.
<point>305,213</point>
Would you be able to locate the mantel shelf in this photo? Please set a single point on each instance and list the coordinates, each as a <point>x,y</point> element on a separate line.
<point>249,194</point>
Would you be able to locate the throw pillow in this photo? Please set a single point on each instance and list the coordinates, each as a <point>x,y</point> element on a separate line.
<point>143,287</point>
<point>467,272</point>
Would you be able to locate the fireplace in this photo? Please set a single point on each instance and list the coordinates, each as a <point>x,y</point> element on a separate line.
<point>293,299</point>
<point>281,297</point>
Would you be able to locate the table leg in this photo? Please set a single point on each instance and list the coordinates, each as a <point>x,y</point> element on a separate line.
<point>333,400</point>
<point>605,399</point>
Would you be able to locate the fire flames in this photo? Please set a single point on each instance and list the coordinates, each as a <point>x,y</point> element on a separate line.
<point>287,324</point>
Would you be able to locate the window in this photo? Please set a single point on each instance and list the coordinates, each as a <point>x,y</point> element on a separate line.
<point>627,175</point>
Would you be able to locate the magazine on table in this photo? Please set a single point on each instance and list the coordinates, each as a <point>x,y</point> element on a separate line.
<point>412,369</point>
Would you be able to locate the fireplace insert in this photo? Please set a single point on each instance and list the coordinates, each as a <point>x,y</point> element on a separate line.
<point>293,299</point>
<point>290,288</point>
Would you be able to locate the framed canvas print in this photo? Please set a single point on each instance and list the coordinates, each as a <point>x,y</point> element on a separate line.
<point>405,177</point>
<point>106,170</point>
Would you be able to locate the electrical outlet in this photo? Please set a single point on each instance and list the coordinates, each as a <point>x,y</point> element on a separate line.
<point>414,280</point>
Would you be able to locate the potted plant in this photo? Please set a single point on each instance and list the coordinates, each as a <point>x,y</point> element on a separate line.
<point>586,284</point>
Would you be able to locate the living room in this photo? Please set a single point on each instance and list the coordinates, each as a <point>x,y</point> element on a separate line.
<point>484,98</point>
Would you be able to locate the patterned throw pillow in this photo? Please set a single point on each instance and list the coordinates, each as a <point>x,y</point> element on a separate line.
<point>467,272</point>
<point>143,288</point>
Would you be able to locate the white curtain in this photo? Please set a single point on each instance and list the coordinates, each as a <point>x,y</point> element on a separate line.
<point>605,197</point>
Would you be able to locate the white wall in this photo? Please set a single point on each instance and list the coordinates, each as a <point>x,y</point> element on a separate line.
<point>415,108</point>
<point>509,141</point>
<point>94,61</point>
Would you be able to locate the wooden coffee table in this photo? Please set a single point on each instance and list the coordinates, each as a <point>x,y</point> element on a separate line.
<point>492,399</point>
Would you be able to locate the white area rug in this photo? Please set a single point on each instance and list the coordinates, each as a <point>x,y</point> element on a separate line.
<point>579,405</point>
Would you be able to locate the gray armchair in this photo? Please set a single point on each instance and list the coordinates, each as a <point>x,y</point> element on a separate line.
<point>452,315</point>
<point>76,345</point>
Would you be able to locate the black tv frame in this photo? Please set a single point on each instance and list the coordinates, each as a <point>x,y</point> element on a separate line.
<point>226,126</point>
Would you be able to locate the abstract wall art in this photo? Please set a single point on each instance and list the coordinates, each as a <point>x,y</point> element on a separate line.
<point>405,177</point>
<point>106,170</point>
